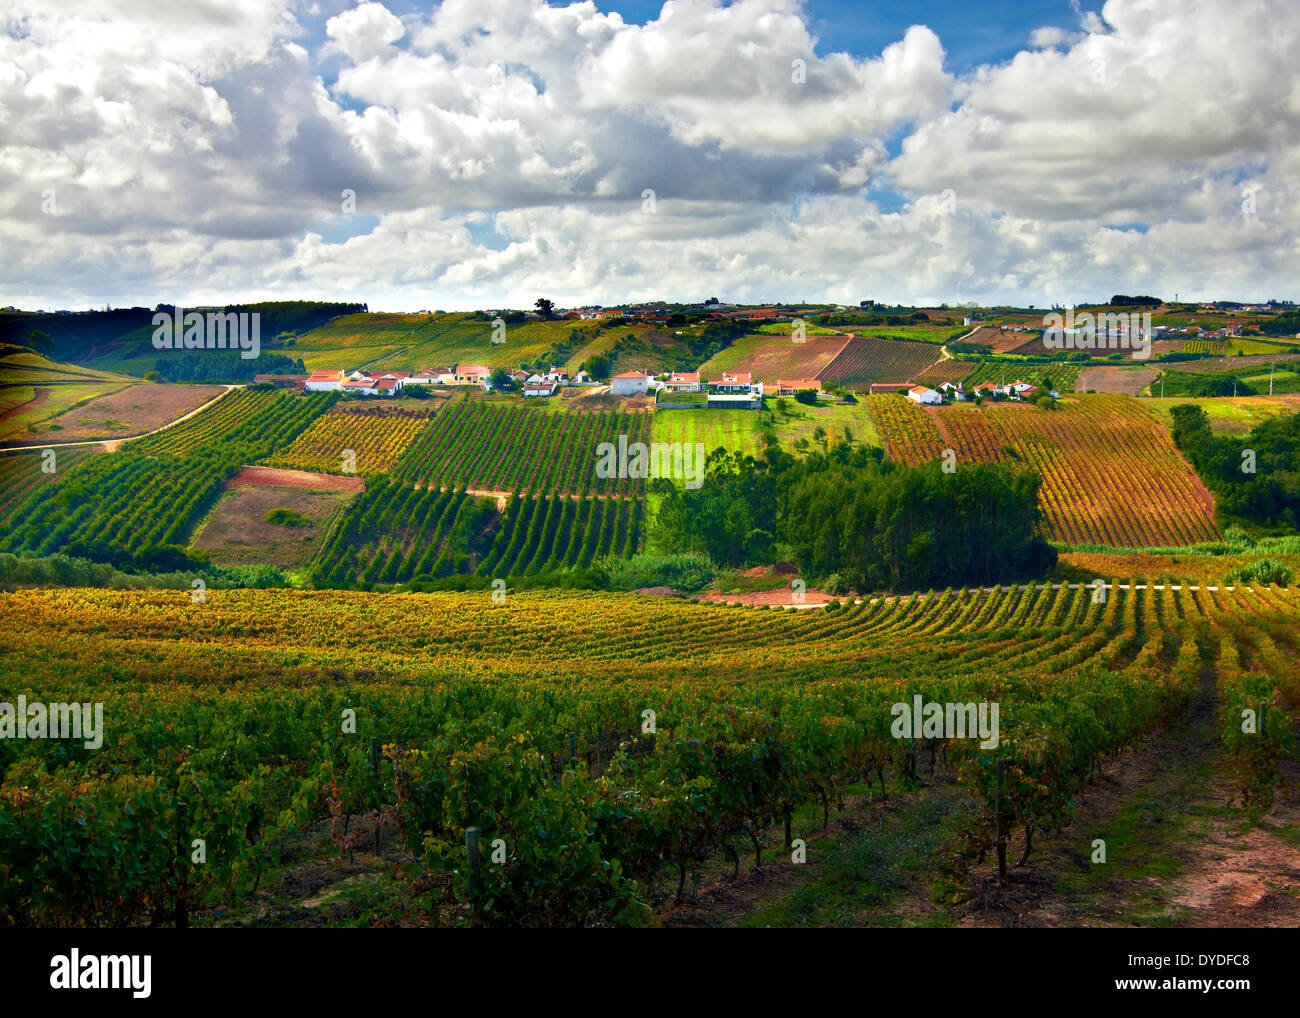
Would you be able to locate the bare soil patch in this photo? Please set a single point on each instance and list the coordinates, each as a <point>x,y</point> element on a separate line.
<point>236,531</point>
<point>1126,380</point>
<point>278,477</point>
<point>135,410</point>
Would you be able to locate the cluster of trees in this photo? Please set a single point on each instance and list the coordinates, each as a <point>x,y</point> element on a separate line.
<point>223,366</point>
<point>1285,324</point>
<point>1255,477</point>
<point>847,511</point>
<point>60,570</point>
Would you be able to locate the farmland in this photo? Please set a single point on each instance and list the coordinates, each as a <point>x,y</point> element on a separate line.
<point>397,532</point>
<point>772,357</point>
<point>499,445</point>
<point>1063,377</point>
<point>409,342</point>
<point>130,505</point>
<point>734,430</point>
<point>219,420</point>
<point>21,472</point>
<point>1111,474</point>
<point>377,436</point>
<point>237,532</point>
<point>124,413</point>
<point>865,360</point>
<point>764,719</point>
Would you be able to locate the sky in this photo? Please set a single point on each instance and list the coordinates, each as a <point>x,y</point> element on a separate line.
<point>484,153</point>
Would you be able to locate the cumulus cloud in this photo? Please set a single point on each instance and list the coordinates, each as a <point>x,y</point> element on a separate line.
<point>495,149</point>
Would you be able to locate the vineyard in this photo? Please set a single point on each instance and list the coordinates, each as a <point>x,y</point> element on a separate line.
<point>615,745</point>
<point>1111,474</point>
<point>396,532</point>
<point>488,445</point>
<point>866,360</point>
<point>1058,377</point>
<point>21,472</point>
<point>216,422</point>
<point>376,434</point>
<point>129,504</point>
<point>771,357</point>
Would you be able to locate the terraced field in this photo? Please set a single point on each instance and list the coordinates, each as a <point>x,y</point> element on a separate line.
<point>772,357</point>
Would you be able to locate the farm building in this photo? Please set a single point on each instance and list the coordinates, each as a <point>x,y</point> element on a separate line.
<point>324,381</point>
<point>471,374</point>
<point>791,386</point>
<point>924,394</point>
<point>629,383</point>
<point>542,388</point>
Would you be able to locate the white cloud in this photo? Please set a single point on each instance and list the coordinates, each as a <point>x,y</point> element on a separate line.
<point>213,167</point>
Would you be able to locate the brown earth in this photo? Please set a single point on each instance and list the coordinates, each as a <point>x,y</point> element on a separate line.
<point>236,532</point>
<point>135,410</point>
<point>1129,381</point>
<point>278,477</point>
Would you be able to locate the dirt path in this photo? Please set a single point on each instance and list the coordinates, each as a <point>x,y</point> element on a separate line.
<point>1177,852</point>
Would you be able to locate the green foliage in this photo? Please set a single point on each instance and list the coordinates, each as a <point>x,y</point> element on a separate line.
<point>845,510</point>
<point>288,518</point>
<point>1267,496</point>
<point>687,572</point>
<point>1264,571</point>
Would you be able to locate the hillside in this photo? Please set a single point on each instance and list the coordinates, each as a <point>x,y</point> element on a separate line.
<point>1111,474</point>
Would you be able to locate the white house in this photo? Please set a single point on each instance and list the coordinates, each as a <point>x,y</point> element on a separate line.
<point>629,383</point>
<point>542,388</point>
<point>471,374</point>
<point>734,383</point>
<point>324,381</point>
<point>953,390</point>
<point>922,394</point>
<point>683,381</point>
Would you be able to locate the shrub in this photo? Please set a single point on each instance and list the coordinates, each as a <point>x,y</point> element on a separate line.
<point>1264,571</point>
<point>835,584</point>
<point>690,572</point>
<point>288,518</point>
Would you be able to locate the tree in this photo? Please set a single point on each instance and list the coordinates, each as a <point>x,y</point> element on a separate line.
<point>38,340</point>
<point>501,380</point>
<point>598,367</point>
<point>545,308</point>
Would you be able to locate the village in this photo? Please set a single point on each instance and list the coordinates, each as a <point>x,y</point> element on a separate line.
<point>673,390</point>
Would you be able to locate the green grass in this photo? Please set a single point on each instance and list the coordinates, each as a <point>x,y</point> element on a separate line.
<point>1228,415</point>
<point>800,421</point>
<point>734,430</point>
